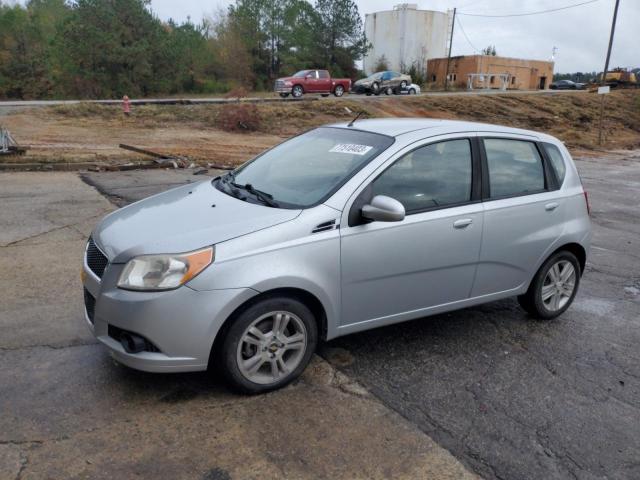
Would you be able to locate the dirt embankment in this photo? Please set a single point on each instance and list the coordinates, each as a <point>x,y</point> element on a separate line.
<point>91,133</point>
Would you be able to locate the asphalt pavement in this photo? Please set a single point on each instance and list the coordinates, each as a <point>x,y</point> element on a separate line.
<point>509,396</point>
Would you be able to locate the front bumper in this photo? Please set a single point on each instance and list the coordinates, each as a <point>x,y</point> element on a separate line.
<point>282,89</point>
<point>182,324</point>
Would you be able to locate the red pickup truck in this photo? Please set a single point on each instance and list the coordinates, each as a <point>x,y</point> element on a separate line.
<point>312,81</point>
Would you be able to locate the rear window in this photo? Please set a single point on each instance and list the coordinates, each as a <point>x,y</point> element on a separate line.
<point>515,167</point>
<point>557,162</point>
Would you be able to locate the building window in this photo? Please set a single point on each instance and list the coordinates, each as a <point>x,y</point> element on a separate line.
<point>492,79</point>
<point>433,78</point>
<point>513,80</point>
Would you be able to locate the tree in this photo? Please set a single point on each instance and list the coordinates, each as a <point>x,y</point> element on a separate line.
<point>490,50</point>
<point>341,37</point>
<point>381,64</point>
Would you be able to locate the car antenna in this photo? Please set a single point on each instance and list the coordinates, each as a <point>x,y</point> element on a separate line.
<point>356,118</point>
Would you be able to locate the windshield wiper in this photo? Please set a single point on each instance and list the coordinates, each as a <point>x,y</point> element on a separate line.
<point>264,197</point>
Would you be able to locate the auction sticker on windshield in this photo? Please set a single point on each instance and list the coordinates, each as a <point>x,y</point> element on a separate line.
<point>351,148</point>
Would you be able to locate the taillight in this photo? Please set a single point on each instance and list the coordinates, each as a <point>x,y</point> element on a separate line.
<point>586,199</point>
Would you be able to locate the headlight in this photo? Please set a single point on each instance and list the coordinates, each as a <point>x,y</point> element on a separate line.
<point>164,272</point>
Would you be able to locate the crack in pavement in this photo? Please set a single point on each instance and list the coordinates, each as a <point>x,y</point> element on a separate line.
<point>52,347</point>
<point>16,243</point>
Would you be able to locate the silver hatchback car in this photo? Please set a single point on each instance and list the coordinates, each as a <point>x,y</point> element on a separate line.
<point>341,229</point>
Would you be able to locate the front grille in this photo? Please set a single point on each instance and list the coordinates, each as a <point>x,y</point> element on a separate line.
<point>89,304</point>
<point>96,260</point>
<point>279,84</point>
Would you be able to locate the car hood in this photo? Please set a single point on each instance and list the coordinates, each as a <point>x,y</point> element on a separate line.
<point>181,220</point>
<point>287,79</point>
<point>364,81</point>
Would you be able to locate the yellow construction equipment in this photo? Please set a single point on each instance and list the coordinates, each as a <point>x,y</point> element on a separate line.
<point>621,77</point>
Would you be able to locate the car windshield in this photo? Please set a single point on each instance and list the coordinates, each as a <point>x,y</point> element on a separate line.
<point>301,73</point>
<point>306,169</point>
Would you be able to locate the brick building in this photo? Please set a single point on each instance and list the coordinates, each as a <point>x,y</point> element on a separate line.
<point>487,71</point>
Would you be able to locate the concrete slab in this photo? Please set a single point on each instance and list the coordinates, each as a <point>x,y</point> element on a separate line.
<point>46,219</point>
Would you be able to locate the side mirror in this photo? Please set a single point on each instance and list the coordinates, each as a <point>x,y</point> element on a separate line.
<point>384,209</point>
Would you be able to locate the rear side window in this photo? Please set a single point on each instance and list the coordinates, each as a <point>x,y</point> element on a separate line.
<point>432,176</point>
<point>515,167</point>
<point>557,161</point>
<point>323,73</point>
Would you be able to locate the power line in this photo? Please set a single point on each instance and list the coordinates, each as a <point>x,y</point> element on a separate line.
<point>465,35</point>
<point>530,13</point>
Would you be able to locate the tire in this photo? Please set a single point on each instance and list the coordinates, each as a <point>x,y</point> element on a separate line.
<point>250,337</point>
<point>412,91</point>
<point>339,91</point>
<point>375,88</point>
<point>388,91</point>
<point>561,297</point>
<point>297,91</point>
<point>284,95</point>
<point>403,84</point>
<point>324,95</point>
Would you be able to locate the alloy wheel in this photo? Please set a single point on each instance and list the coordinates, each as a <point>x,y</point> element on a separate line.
<point>271,347</point>
<point>558,285</point>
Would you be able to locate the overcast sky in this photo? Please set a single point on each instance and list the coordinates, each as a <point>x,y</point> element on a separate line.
<point>581,34</point>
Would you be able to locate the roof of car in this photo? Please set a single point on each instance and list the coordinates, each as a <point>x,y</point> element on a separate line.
<point>399,126</point>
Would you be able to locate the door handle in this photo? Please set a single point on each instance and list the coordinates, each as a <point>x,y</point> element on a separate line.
<point>550,207</point>
<point>463,223</point>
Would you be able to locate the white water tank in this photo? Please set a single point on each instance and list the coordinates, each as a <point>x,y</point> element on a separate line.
<point>406,36</point>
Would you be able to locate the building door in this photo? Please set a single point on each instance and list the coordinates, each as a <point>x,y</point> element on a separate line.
<point>543,83</point>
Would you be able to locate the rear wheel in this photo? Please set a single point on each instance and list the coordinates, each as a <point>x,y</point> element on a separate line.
<point>375,88</point>
<point>339,91</point>
<point>412,91</point>
<point>388,91</point>
<point>284,95</point>
<point>554,287</point>
<point>268,345</point>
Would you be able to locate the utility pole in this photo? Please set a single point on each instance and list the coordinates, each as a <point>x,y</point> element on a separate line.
<point>606,68</point>
<point>446,76</point>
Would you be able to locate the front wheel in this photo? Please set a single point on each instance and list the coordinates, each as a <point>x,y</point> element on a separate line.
<point>375,88</point>
<point>269,345</point>
<point>412,91</point>
<point>339,91</point>
<point>297,91</point>
<point>554,287</point>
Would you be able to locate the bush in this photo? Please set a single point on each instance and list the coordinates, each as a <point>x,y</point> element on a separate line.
<point>239,118</point>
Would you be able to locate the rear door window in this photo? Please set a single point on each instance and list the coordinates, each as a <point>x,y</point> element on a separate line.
<point>515,167</point>
<point>557,162</point>
<point>323,73</point>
